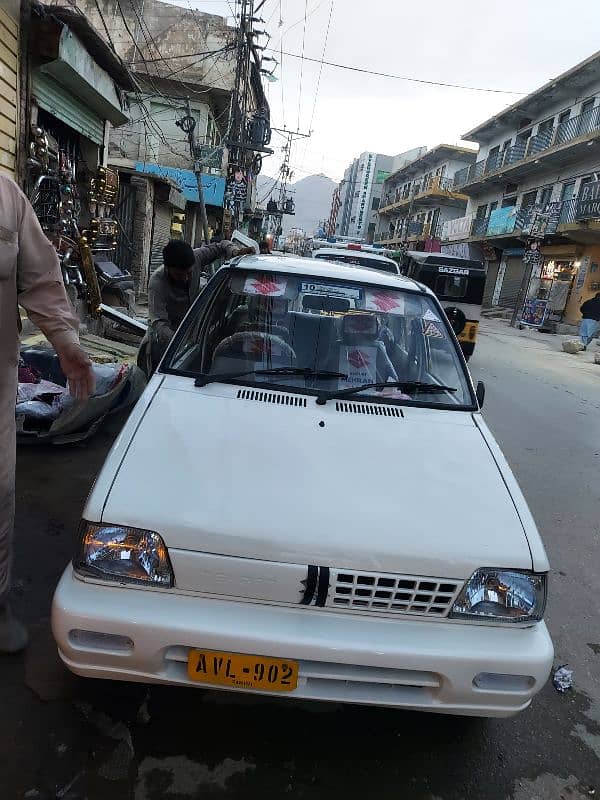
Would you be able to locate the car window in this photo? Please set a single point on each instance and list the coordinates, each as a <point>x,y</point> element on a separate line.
<point>367,333</point>
<point>361,261</point>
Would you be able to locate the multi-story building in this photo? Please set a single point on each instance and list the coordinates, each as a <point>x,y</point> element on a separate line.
<point>360,195</point>
<point>179,55</point>
<point>419,197</point>
<point>336,204</point>
<point>361,190</point>
<point>533,190</point>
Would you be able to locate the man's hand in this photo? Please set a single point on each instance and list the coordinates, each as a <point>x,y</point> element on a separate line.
<point>77,367</point>
<point>245,251</point>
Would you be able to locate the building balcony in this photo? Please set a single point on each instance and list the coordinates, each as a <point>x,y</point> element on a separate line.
<point>411,232</point>
<point>437,190</point>
<point>563,144</point>
<point>559,219</point>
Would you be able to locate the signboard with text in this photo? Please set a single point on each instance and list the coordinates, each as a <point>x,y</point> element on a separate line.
<point>588,202</point>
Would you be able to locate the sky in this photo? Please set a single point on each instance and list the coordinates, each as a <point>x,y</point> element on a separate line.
<point>486,45</point>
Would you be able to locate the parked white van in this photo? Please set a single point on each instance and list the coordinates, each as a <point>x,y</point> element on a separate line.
<point>306,501</point>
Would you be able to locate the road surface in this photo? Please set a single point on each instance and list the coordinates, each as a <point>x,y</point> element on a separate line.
<point>69,738</point>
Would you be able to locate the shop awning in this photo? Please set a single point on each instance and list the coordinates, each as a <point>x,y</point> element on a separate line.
<point>79,75</point>
<point>213,186</point>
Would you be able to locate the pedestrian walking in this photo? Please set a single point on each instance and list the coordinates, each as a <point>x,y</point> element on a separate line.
<point>590,324</point>
<point>30,276</point>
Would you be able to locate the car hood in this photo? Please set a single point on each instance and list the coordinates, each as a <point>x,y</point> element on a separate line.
<point>237,472</point>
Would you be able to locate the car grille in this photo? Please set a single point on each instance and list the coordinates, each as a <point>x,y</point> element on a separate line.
<point>369,408</point>
<point>271,397</point>
<point>385,593</point>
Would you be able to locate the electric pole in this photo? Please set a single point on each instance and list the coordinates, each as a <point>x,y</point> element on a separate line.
<point>283,206</point>
<point>188,126</point>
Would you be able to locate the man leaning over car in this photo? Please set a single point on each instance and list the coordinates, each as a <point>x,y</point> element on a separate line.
<point>172,290</point>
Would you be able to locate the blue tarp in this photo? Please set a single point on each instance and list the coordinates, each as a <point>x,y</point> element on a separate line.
<point>213,186</point>
<point>502,220</point>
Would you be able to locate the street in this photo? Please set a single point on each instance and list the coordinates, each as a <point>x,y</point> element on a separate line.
<point>63,737</point>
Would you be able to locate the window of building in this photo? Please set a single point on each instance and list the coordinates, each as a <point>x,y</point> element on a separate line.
<point>508,201</point>
<point>545,195</point>
<point>564,116</point>
<point>493,206</point>
<point>481,211</point>
<point>375,203</point>
<point>529,198</point>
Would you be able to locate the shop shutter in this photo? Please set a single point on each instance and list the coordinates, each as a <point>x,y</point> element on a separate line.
<point>124,213</point>
<point>9,48</point>
<point>161,233</point>
<point>511,284</point>
<point>59,102</point>
<point>490,282</point>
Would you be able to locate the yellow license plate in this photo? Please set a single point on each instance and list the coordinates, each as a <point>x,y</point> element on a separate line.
<point>242,671</point>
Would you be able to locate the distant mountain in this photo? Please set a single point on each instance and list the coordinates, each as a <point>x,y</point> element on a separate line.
<point>312,196</point>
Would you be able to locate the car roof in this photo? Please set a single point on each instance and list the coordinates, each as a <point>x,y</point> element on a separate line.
<point>435,258</point>
<point>343,251</point>
<point>321,268</point>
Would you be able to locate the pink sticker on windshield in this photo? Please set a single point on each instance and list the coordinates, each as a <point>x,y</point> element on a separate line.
<point>386,302</point>
<point>266,285</point>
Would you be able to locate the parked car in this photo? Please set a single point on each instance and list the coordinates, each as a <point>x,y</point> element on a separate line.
<point>307,501</point>
<point>358,256</point>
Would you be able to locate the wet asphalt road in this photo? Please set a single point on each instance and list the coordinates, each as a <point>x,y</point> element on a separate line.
<point>63,737</point>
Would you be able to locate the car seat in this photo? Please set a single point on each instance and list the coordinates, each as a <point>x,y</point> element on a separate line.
<point>314,340</point>
<point>259,318</point>
<point>360,342</point>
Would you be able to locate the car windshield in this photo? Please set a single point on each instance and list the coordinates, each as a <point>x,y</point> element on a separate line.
<point>322,336</point>
<point>381,264</point>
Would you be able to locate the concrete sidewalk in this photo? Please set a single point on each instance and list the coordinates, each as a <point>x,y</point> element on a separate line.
<point>548,345</point>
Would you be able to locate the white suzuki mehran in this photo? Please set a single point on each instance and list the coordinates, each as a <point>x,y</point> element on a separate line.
<point>307,501</point>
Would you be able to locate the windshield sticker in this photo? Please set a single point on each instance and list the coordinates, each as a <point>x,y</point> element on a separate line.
<point>260,347</point>
<point>433,329</point>
<point>266,285</point>
<point>387,302</point>
<point>431,316</point>
<point>330,290</point>
<point>360,364</point>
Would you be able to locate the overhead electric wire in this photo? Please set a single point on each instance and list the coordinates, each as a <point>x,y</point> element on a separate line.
<point>395,77</point>
<point>312,116</point>
<point>302,64</point>
<point>301,20</point>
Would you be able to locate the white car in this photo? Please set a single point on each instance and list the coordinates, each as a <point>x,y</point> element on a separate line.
<point>358,256</point>
<point>306,501</point>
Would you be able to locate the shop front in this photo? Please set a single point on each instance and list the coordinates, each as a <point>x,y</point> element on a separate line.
<point>552,272</point>
<point>586,283</point>
<point>9,85</point>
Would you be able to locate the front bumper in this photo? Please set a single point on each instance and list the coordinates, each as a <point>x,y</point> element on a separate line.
<point>408,663</point>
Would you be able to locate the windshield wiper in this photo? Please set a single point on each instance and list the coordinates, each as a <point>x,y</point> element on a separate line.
<point>304,372</point>
<point>416,386</point>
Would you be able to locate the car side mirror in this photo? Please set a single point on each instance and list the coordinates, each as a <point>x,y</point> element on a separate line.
<point>480,393</point>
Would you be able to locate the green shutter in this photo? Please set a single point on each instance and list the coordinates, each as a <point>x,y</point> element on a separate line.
<point>59,102</point>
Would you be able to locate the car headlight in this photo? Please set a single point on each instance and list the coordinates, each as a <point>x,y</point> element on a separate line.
<point>502,595</point>
<point>122,554</point>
